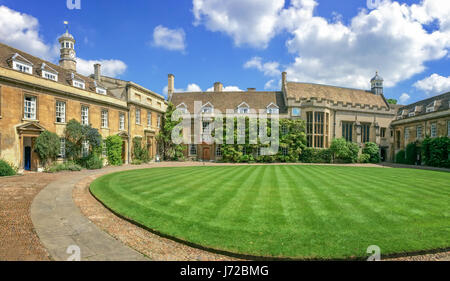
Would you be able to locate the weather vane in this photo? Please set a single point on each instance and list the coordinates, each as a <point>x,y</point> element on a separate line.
<point>66,23</point>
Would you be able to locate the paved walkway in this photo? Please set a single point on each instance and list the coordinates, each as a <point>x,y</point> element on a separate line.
<point>60,224</point>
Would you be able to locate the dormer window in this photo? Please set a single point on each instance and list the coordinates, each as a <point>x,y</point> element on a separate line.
<point>272,109</point>
<point>21,64</point>
<point>431,107</point>
<point>79,84</point>
<point>49,73</point>
<point>243,108</point>
<point>208,108</point>
<point>412,114</point>
<point>100,90</point>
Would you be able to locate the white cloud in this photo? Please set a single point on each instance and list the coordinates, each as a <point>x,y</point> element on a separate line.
<point>271,85</point>
<point>404,98</point>
<point>170,39</point>
<point>22,32</point>
<point>248,22</point>
<point>111,68</point>
<point>190,88</point>
<point>392,38</point>
<point>434,84</point>
<point>227,89</point>
<point>268,68</point>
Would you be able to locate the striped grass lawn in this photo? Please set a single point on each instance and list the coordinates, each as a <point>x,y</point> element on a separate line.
<point>304,212</point>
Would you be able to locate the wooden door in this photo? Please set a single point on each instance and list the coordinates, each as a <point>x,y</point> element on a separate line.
<point>206,154</point>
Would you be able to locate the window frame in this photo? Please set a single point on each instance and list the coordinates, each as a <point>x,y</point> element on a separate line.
<point>104,118</point>
<point>219,152</point>
<point>193,150</point>
<point>365,132</point>
<point>35,107</point>
<point>121,126</point>
<point>299,112</point>
<point>63,119</point>
<point>149,119</point>
<point>433,125</point>
<point>62,148</point>
<point>23,67</point>
<point>85,147</point>
<point>419,136</point>
<point>138,116</point>
<point>347,131</point>
<point>86,117</point>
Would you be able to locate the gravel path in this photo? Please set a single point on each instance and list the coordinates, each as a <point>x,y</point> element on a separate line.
<point>18,240</point>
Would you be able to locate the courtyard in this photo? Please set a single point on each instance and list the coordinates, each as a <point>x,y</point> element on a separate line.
<point>212,211</point>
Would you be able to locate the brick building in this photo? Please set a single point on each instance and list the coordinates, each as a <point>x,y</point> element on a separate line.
<point>330,112</point>
<point>36,95</point>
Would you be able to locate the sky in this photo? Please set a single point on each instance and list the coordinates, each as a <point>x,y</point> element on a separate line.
<point>245,43</point>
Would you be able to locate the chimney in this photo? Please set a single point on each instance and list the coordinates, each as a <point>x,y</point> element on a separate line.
<point>97,72</point>
<point>251,89</point>
<point>283,79</point>
<point>170,86</point>
<point>218,87</point>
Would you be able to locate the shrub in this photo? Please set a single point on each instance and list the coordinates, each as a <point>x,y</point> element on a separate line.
<point>58,167</point>
<point>114,150</point>
<point>344,151</point>
<point>314,155</point>
<point>373,150</point>
<point>411,154</point>
<point>139,152</point>
<point>6,169</point>
<point>364,158</point>
<point>137,162</point>
<point>94,162</point>
<point>76,134</point>
<point>47,146</point>
<point>436,152</point>
<point>400,157</point>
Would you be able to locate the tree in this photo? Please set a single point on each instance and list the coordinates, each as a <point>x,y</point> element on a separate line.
<point>76,134</point>
<point>344,151</point>
<point>373,150</point>
<point>170,150</point>
<point>139,152</point>
<point>47,146</point>
<point>392,101</point>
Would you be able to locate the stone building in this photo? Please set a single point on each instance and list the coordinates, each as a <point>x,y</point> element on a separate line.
<point>330,112</point>
<point>425,118</point>
<point>36,95</point>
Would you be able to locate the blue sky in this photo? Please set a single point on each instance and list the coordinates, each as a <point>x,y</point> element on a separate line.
<point>323,41</point>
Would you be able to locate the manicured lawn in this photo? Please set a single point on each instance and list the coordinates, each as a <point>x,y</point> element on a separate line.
<point>288,211</point>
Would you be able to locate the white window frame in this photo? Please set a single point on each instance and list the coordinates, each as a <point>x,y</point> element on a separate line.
<point>433,130</point>
<point>100,90</point>
<point>84,115</point>
<point>159,122</point>
<point>207,108</point>
<point>284,151</point>
<point>138,116</point>
<point>193,150</point>
<point>30,108</point>
<point>406,136</point>
<point>104,149</point>
<point>243,108</point>
<point>62,148</point>
<point>149,119</point>
<point>206,127</point>
<point>272,109</point>
<point>105,118</point>
<point>85,148</point>
<point>50,76</point>
<point>23,67</point>
<point>60,112</point>
<point>419,132</point>
<point>411,114</point>
<point>219,152</point>
<point>121,121</point>
<point>78,84</point>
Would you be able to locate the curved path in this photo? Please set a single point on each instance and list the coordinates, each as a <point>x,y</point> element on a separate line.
<point>60,224</point>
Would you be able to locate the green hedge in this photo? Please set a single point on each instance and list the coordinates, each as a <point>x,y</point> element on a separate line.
<point>315,155</point>
<point>411,154</point>
<point>68,166</point>
<point>373,150</point>
<point>400,157</point>
<point>114,150</point>
<point>435,152</point>
<point>343,151</point>
<point>6,169</point>
<point>47,146</point>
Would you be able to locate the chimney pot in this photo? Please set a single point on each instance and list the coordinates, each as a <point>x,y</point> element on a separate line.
<point>97,72</point>
<point>218,87</point>
<point>170,85</point>
<point>283,79</point>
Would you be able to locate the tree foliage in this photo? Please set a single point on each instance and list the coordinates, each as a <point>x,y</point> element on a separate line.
<point>47,146</point>
<point>140,152</point>
<point>114,150</point>
<point>76,134</point>
<point>344,151</point>
<point>392,101</point>
<point>169,150</point>
<point>436,152</point>
<point>373,150</point>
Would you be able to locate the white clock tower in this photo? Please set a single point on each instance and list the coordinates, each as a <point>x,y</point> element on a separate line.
<point>68,56</point>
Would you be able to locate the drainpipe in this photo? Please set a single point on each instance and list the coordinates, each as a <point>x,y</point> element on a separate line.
<point>334,125</point>
<point>129,125</point>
